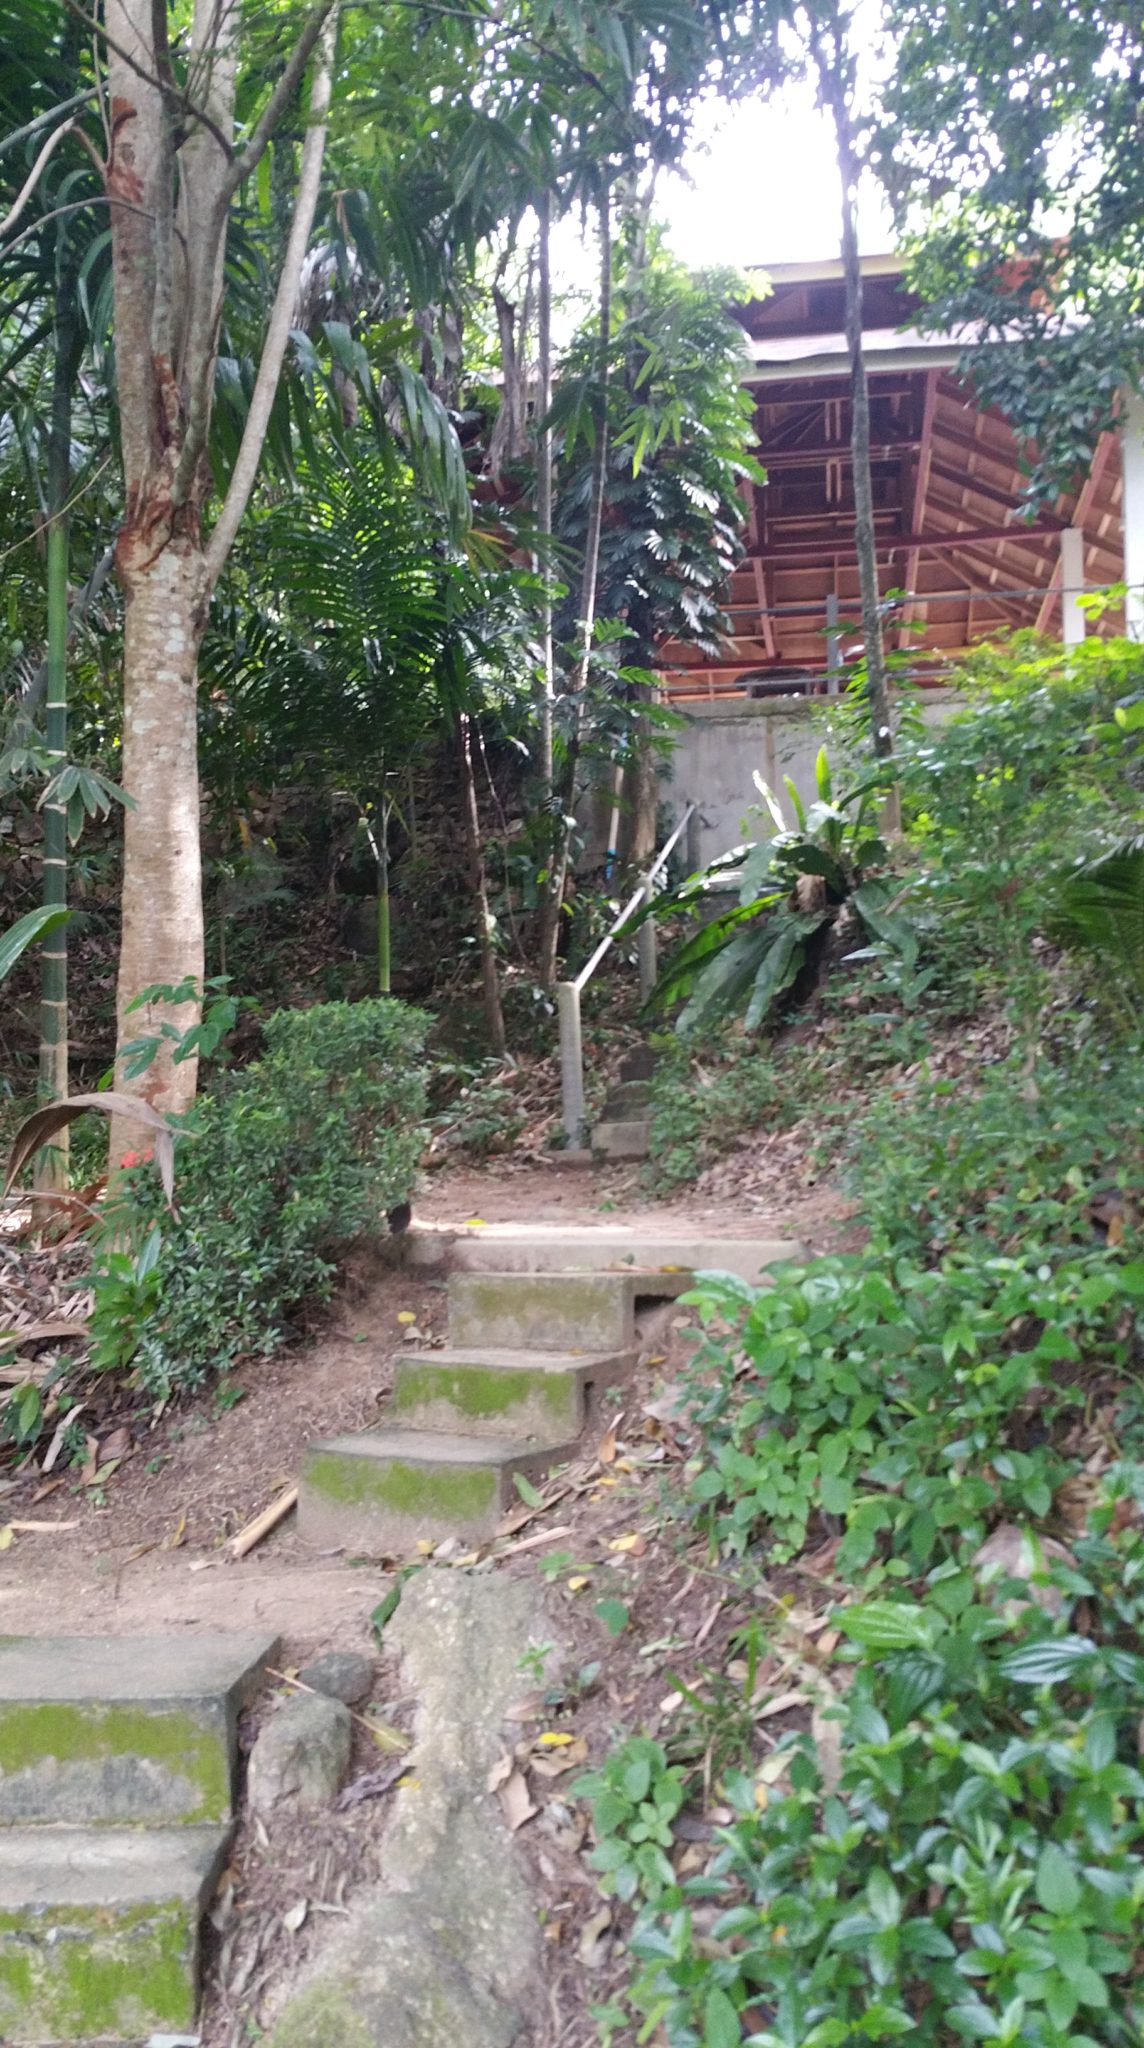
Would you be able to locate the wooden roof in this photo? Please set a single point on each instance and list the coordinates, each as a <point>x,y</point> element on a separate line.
<point>953,532</point>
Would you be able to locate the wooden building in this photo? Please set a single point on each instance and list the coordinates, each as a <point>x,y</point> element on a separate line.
<point>952,532</point>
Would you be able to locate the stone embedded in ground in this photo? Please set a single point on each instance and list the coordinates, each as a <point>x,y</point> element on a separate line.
<point>301,1754</point>
<point>346,1675</point>
<point>122,1730</point>
<point>447,1956</point>
<point>99,1930</point>
<point>538,1395</point>
<point>383,1491</point>
<point>542,1311</point>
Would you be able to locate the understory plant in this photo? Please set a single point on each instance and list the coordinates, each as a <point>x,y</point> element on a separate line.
<point>281,1167</point>
<point>791,888</point>
<point>920,1463</point>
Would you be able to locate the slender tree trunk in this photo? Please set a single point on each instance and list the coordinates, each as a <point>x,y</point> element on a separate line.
<point>171,180</point>
<point>52,1162</point>
<point>833,89</point>
<point>589,579</point>
<point>478,883</point>
<point>544,492</point>
<point>162,937</point>
<point>384,969</point>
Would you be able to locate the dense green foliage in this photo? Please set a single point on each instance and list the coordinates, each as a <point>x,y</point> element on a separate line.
<point>283,1165</point>
<point>939,1438</point>
<point>1015,159</point>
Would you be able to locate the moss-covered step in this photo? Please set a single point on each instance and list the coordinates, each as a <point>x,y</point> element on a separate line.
<point>384,1491</point>
<point>99,1931</point>
<point>586,1312</point>
<point>536,1395</point>
<point>110,1731</point>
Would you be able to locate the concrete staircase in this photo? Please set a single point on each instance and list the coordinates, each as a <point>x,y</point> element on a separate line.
<point>117,1765</point>
<point>541,1323</point>
<point>623,1130</point>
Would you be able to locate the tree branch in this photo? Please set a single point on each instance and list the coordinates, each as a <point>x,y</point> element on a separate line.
<point>19,135</point>
<point>282,314</point>
<point>33,177</point>
<point>247,159</point>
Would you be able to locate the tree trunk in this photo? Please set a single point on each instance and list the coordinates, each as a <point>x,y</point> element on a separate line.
<point>589,578</point>
<point>162,937</point>
<point>478,883</point>
<point>544,491</point>
<point>833,90</point>
<point>171,180</point>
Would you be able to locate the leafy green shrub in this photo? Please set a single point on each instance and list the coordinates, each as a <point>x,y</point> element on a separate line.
<point>916,1407</point>
<point>1012,1155</point>
<point>285,1163</point>
<point>975,1873</point>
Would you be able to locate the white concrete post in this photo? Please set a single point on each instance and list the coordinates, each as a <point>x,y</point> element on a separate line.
<point>1132,457</point>
<point>646,947</point>
<point>571,1061</point>
<point>1073,620</point>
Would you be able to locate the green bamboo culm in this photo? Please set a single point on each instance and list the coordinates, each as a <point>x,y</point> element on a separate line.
<point>54,957</point>
<point>383,952</point>
<point>52,1165</point>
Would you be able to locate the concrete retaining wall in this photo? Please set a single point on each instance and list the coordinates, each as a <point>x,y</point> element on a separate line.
<point>727,739</point>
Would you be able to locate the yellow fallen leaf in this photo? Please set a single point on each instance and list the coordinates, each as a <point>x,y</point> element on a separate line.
<point>391,1740</point>
<point>578,1584</point>
<point>406,1315</point>
<point>624,1465</point>
<point>7,1537</point>
<point>554,1738</point>
<point>408,1784</point>
<point>762,1798</point>
<point>475,1223</point>
<point>633,1543</point>
<point>426,1548</point>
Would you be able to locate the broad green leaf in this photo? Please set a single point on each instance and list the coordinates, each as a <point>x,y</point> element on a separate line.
<point>1058,1889</point>
<point>35,924</point>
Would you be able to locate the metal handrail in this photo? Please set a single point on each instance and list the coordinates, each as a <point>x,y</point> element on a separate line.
<point>568,993</point>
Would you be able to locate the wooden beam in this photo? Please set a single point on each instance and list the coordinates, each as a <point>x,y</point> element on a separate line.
<point>793,551</point>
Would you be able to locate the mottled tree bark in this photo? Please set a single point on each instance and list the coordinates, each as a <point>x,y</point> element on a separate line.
<point>171,177</point>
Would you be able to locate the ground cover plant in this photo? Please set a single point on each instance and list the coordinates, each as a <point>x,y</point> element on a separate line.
<point>919,1465</point>
<point>281,1166</point>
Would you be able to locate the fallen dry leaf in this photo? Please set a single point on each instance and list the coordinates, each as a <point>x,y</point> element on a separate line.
<point>606,1451</point>
<point>296,1916</point>
<point>782,1704</point>
<point>516,1801</point>
<point>596,1940</point>
<point>501,1772</point>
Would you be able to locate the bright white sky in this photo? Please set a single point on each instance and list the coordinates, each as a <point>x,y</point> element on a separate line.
<point>761,186</point>
<point>764,188</point>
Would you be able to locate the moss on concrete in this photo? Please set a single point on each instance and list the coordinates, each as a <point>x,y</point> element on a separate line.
<point>456,1492</point>
<point>321,2017</point>
<point>587,1312</point>
<point>483,1392</point>
<point>87,1761</point>
<point>74,1974</point>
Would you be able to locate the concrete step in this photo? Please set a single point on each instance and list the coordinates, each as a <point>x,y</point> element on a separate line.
<point>384,1491</point>
<point>537,1395</point>
<point>621,1137</point>
<point>104,1731</point>
<point>655,1258</point>
<point>629,1099</point>
<point>542,1311</point>
<point>99,1931</point>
